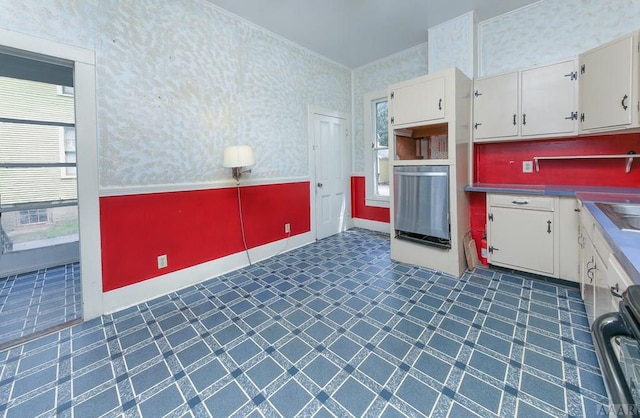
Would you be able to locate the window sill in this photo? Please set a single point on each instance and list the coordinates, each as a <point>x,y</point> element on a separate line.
<point>378,202</point>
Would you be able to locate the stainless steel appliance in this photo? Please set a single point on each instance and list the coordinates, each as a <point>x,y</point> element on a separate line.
<point>421,204</point>
<point>616,336</point>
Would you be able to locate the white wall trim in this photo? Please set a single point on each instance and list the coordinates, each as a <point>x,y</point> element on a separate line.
<point>383,227</point>
<point>187,187</point>
<point>40,46</point>
<point>134,294</point>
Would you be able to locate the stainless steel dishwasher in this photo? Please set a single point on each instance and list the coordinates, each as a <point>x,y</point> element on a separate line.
<point>421,204</point>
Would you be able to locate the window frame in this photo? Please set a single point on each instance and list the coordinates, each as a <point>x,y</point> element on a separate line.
<point>370,150</point>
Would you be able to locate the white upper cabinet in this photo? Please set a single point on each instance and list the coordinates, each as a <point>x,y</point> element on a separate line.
<point>609,86</point>
<point>496,107</point>
<point>549,100</point>
<point>418,100</point>
<point>538,102</point>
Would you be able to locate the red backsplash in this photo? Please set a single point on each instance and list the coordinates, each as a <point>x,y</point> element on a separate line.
<point>502,162</point>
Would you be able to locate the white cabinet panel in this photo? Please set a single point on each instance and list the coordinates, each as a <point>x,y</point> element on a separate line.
<point>496,107</point>
<point>419,101</point>
<point>534,103</point>
<point>606,85</point>
<point>548,99</point>
<point>522,238</point>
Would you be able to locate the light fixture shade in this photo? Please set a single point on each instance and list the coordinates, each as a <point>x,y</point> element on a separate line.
<point>238,156</point>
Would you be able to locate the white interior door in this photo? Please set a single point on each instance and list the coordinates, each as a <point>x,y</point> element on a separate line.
<point>330,146</point>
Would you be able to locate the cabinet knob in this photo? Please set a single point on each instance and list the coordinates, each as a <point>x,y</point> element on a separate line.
<point>320,184</point>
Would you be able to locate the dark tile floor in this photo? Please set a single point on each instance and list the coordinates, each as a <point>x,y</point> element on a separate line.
<point>32,302</point>
<point>331,329</point>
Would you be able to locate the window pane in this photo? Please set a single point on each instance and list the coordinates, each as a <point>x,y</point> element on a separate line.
<point>382,172</point>
<point>382,128</point>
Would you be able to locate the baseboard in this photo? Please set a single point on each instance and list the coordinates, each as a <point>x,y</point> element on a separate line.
<point>372,225</point>
<point>134,294</point>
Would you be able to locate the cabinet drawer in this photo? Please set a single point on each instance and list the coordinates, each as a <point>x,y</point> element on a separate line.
<point>545,203</point>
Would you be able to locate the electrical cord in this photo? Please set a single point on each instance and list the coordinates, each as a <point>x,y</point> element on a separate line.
<point>244,240</point>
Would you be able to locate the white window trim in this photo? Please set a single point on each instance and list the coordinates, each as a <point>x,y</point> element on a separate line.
<point>371,198</point>
<point>63,156</point>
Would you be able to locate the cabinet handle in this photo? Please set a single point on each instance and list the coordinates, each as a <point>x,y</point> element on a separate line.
<point>580,241</point>
<point>440,104</point>
<point>520,202</point>
<point>476,125</point>
<point>624,106</point>
<point>320,185</point>
<point>477,93</point>
<point>514,119</point>
<point>590,274</point>
<point>548,227</point>
<point>615,291</point>
<point>524,118</point>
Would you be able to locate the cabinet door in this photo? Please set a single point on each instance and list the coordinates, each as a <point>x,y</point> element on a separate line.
<point>520,238</point>
<point>587,274</point>
<point>548,99</point>
<point>605,85</point>
<point>602,298</point>
<point>419,102</point>
<point>495,113</point>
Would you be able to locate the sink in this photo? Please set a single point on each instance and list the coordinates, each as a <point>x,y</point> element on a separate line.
<point>626,216</point>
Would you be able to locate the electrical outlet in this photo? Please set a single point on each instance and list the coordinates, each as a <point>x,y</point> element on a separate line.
<point>527,166</point>
<point>287,228</point>
<point>162,261</point>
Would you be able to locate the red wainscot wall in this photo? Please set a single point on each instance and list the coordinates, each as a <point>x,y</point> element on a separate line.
<point>359,208</point>
<point>193,227</point>
<point>501,163</point>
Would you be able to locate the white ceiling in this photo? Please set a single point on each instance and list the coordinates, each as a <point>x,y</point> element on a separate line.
<point>357,32</point>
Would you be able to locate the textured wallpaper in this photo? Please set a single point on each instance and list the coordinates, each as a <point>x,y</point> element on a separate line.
<point>451,44</point>
<point>178,80</point>
<point>378,76</point>
<point>550,30</point>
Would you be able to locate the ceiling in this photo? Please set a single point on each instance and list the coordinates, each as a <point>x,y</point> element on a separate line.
<point>357,32</point>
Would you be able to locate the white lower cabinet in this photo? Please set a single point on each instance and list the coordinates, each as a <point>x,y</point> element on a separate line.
<point>522,233</point>
<point>602,278</point>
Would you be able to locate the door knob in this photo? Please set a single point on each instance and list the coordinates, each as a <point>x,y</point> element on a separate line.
<point>320,184</point>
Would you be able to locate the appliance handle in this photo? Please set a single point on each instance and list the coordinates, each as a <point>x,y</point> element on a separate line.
<point>604,328</point>
<point>422,174</point>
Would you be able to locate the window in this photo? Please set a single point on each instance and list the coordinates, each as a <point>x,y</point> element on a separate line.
<point>33,216</point>
<point>65,90</point>
<point>69,148</point>
<point>376,132</point>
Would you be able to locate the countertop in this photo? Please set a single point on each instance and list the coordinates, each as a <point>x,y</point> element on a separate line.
<point>625,245</point>
<point>538,189</point>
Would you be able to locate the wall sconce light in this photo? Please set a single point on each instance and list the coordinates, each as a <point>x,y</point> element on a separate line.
<point>238,157</point>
